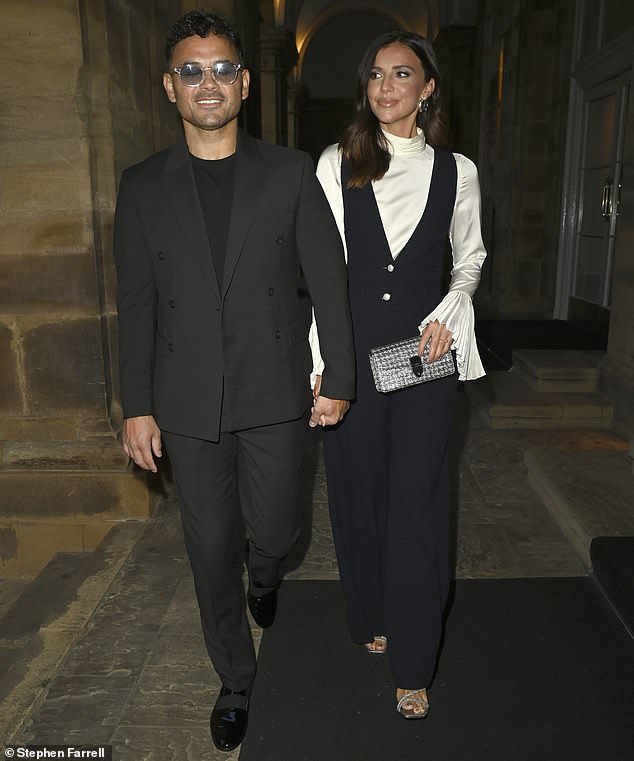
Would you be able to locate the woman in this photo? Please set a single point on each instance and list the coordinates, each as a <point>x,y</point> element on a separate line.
<point>396,199</point>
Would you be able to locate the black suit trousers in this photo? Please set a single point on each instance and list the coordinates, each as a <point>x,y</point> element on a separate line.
<point>249,478</point>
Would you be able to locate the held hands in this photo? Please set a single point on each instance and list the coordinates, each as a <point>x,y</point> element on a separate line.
<point>326,411</point>
<point>441,340</point>
<point>141,439</point>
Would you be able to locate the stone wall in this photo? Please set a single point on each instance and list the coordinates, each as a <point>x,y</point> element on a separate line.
<point>50,345</point>
<point>92,104</point>
<point>98,108</point>
<point>521,154</point>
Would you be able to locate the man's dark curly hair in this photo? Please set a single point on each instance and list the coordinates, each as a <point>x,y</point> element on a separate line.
<point>202,23</point>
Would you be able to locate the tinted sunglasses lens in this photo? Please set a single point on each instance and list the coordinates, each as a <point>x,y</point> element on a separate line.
<point>191,74</point>
<point>225,73</point>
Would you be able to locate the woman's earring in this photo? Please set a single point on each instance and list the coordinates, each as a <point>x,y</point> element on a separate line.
<point>426,104</point>
<point>420,105</point>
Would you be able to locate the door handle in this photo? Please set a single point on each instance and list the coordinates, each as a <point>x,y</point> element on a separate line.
<point>606,199</point>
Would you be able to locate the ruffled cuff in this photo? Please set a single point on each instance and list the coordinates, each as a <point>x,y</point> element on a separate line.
<point>318,362</point>
<point>456,312</point>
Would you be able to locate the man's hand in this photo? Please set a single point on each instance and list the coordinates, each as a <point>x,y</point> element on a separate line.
<point>141,438</point>
<point>327,411</point>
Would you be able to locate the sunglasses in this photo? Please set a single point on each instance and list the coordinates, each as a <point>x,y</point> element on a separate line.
<point>223,72</point>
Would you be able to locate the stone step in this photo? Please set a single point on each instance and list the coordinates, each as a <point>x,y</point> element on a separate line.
<point>10,590</point>
<point>505,401</point>
<point>573,483</point>
<point>40,627</point>
<point>558,371</point>
<point>65,496</point>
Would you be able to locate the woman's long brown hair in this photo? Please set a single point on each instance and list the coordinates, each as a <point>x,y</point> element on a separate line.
<point>363,144</point>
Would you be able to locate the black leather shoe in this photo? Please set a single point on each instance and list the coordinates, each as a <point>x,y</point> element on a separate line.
<point>263,608</point>
<point>228,721</point>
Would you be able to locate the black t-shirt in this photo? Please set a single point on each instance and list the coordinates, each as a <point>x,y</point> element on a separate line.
<point>215,179</point>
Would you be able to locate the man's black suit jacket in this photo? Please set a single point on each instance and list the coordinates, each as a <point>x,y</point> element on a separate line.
<point>182,339</point>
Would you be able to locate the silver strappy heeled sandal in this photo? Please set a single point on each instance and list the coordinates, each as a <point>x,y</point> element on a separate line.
<point>418,698</point>
<point>377,650</point>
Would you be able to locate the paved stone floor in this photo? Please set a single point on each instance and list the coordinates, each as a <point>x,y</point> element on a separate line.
<point>137,674</point>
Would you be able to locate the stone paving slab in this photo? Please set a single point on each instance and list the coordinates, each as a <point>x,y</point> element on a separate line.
<point>41,626</point>
<point>464,487</point>
<point>180,651</point>
<point>79,710</point>
<point>181,696</point>
<point>157,743</point>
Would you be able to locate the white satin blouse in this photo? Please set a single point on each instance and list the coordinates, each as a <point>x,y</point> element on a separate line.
<point>401,197</point>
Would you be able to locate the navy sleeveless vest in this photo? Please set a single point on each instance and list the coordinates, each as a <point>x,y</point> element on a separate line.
<point>389,297</point>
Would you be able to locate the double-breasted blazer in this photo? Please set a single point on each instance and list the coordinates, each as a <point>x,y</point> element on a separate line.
<point>189,346</point>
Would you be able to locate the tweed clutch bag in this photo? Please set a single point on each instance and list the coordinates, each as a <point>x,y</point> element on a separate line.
<point>398,365</point>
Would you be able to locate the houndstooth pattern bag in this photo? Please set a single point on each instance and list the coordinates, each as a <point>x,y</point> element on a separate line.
<point>398,365</point>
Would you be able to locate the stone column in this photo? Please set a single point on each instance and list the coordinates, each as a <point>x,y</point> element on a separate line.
<point>295,98</point>
<point>456,48</point>
<point>278,55</point>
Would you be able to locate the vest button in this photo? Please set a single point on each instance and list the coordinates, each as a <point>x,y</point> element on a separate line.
<point>278,334</point>
<point>172,303</point>
<point>386,297</point>
<point>279,240</point>
<point>390,268</point>
<point>171,347</point>
<point>160,255</point>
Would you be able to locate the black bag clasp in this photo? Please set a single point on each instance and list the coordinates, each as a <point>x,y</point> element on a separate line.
<point>417,365</point>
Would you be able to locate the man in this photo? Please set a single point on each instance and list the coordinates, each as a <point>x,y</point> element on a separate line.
<point>214,241</point>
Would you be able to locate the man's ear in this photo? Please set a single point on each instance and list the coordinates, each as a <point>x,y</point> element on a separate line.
<point>169,87</point>
<point>246,81</point>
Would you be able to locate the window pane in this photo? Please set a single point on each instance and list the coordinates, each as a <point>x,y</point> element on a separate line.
<point>591,266</point>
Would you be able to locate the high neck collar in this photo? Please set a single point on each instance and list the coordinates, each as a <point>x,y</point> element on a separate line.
<point>406,146</point>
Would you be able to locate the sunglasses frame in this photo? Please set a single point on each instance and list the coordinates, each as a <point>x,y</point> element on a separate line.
<point>237,68</point>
